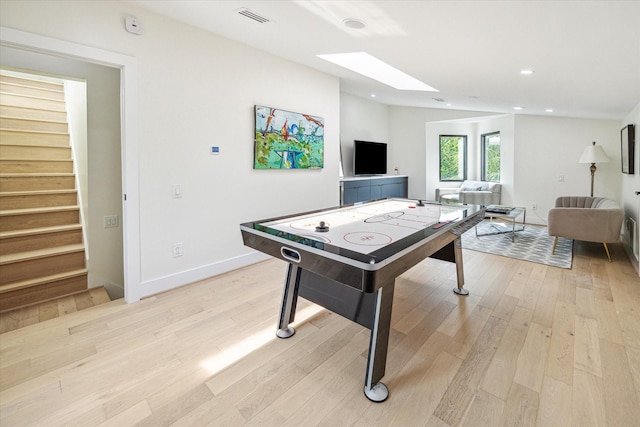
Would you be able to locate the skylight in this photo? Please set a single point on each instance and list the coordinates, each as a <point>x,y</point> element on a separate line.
<point>372,67</point>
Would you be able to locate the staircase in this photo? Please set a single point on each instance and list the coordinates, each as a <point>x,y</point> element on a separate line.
<point>42,255</point>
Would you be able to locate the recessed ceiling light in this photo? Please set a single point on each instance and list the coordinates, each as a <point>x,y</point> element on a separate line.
<point>372,67</point>
<point>526,72</point>
<point>549,110</point>
<point>354,24</point>
<point>518,108</point>
<point>373,95</point>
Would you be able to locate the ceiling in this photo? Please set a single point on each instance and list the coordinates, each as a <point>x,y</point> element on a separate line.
<point>585,54</point>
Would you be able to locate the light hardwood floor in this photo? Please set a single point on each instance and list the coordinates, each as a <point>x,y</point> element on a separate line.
<point>531,345</point>
<point>36,313</point>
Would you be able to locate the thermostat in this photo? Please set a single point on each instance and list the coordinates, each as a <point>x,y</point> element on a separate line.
<point>215,150</point>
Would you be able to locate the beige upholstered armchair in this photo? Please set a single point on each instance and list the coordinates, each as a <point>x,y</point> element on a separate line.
<point>591,219</point>
<point>471,193</point>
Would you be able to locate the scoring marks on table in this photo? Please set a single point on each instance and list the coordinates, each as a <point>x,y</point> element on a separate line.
<point>384,217</point>
<point>363,238</point>
<point>404,220</point>
<point>364,228</point>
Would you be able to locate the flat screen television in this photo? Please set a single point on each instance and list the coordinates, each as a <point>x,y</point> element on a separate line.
<point>369,158</point>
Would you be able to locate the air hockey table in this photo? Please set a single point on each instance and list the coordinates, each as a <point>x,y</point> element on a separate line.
<point>346,259</point>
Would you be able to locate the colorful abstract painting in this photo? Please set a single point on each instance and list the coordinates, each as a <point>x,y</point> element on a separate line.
<point>287,140</point>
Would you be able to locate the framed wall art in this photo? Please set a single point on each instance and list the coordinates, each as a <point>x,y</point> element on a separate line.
<point>287,140</point>
<point>627,147</point>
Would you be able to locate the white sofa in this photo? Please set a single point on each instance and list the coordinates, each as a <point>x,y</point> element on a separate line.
<point>471,193</point>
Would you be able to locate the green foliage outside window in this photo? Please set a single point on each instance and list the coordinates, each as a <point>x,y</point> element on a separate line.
<point>491,157</point>
<point>453,158</point>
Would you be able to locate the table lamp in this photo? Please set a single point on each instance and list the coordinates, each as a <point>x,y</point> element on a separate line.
<point>593,154</point>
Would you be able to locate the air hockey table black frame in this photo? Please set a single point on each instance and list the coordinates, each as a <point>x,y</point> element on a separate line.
<point>358,286</point>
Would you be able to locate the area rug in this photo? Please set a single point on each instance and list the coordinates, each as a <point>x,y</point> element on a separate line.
<point>531,244</point>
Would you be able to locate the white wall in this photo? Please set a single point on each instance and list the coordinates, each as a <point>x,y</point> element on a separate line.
<point>407,133</point>
<point>536,151</point>
<point>473,128</point>
<point>631,184</point>
<point>505,124</point>
<point>547,148</point>
<point>196,90</point>
<point>364,120</point>
<point>76,100</point>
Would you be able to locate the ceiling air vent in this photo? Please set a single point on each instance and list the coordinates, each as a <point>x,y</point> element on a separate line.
<point>252,15</point>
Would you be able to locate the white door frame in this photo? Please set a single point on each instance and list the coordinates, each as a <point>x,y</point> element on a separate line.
<point>129,142</point>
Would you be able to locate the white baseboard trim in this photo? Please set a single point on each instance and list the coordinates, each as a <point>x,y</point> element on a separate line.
<point>115,290</point>
<point>186,277</point>
<point>632,257</point>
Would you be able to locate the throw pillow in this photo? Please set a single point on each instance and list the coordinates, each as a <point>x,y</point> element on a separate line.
<point>470,187</point>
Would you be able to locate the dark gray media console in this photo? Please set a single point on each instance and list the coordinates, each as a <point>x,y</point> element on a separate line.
<point>361,189</point>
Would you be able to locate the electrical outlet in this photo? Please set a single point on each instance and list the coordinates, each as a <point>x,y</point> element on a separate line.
<point>110,221</point>
<point>177,250</point>
<point>534,206</point>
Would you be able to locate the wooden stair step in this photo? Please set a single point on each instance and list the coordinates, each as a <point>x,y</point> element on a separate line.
<point>15,100</point>
<point>36,193</point>
<point>99,295</point>
<point>32,113</point>
<point>11,182</point>
<point>29,82</point>
<point>16,241</point>
<point>34,152</point>
<point>36,175</point>
<point>29,292</point>
<point>31,125</point>
<point>38,199</point>
<point>20,317</point>
<point>5,288</point>
<point>40,253</point>
<point>30,175</point>
<point>41,230</point>
<point>21,219</point>
<point>29,211</point>
<point>33,138</point>
<point>34,92</point>
<point>25,266</point>
<point>36,165</point>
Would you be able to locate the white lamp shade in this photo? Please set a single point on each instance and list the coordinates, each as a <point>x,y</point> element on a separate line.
<point>594,154</point>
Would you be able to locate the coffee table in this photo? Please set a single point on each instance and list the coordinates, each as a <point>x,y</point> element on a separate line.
<point>510,217</point>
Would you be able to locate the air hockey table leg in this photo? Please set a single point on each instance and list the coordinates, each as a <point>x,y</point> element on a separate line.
<point>289,300</point>
<point>457,252</point>
<point>375,390</point>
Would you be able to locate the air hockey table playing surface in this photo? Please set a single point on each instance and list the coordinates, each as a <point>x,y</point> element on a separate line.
<point>366,237</point>
<point>368,227</point>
